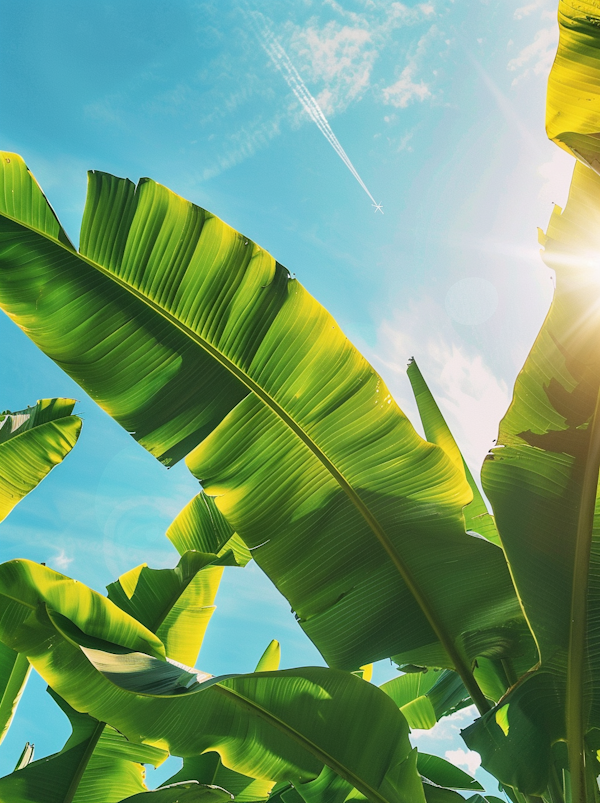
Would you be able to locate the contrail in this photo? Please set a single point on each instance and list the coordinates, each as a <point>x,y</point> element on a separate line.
<point>293,79</point>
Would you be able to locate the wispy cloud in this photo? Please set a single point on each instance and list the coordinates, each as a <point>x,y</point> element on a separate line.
<point>537,56</point>
<point>244,143</point>
<point>341,57</point>
<point>408,88</point>
<point>530,8</point>
<point>61,561</point>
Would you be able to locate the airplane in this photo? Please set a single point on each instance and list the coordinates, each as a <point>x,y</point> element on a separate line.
<point>378,208</point>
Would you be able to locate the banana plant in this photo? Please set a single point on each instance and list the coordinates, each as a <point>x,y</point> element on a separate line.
<point>198,342</point>
<point>110,666</point>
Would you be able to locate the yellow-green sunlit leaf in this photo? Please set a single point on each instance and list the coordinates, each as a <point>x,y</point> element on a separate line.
<point>183,793</point>
<point>201,526</point>
<point>96,765</point>
<point>426,697</point>
<point>32,442</point>
<point>176,604</point>
<point>209,769</point>
<point>269,660</point>
<point>573,99</point>
<point>14,672</point>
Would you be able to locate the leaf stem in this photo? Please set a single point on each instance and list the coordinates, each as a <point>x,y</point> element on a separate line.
<point>578,626</point>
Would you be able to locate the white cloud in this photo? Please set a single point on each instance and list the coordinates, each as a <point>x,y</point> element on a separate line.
<point>538,55</point>
<point>61,561</point>
<point>525,11</point>
<point>341,57</point>
<point>471,398</point>
<point>406,89</point>
<point>446,730</point>
<point>464,758</point>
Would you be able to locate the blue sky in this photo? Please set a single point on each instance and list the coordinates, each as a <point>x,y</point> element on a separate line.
<point>440,107</point>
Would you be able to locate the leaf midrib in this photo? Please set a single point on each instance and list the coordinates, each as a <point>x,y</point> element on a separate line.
<point>307,743</point>
<point>376,528</point>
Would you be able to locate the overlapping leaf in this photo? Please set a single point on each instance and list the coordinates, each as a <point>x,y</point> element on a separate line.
<point>32,442</point>
<point>202,527</point>
<point>268,725</point>
<point>208,769</point>
<point>426,697</point>
<point>181,329</point>
<point>176,604</point>
<point>96,765</point>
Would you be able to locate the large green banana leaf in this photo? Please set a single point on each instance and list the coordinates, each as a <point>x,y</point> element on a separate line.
<point>573,100</point>
<point>32,442</point>
<point>202,527</point>
<point>184,330</point>
<point>268,725</point>
<point>96,765</point>
<point>477,517</point>
<point>542,480</point>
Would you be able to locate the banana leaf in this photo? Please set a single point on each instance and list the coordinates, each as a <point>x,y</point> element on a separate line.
<point>573,100</point>
<point>425,697</point>
<point>208,769</point>
<point>542,480</point>
<point>96,765</point>
<point>176,604</point>
<point>477,516</point>
<point>188,333</point>
<point>202,527</point>
<point>14,673</point>
<point>32,442</point>
<point>331,788</point>
<point>270,725</point>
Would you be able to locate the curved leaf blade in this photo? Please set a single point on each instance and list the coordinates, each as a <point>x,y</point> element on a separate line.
<point>542,479</point>
<point>572,117</point>
<point>185,328</point>
<point>14,673</point>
